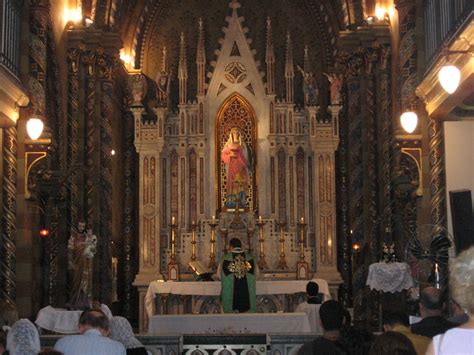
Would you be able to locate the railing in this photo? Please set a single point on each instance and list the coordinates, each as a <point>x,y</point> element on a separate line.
<point>442,19</point>
<point>10,35</point>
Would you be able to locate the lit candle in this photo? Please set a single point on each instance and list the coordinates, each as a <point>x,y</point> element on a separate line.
<point>260,219</point>
<point>173,220</point>
<point>213,218</point>
<point>302,220</point>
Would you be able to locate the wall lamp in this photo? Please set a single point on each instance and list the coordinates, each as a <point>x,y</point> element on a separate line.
<point>36,148</point>
<point>34,127</point>
<point>449,75</point>
<point>409,121</point>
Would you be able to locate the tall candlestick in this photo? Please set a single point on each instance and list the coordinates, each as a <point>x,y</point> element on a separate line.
<point>212,255</point>
<point>262,264</point>
<point>193,240</point>
<point>302,267</point>
<point>173,238</point>
<point>301,226</point>
<point>282,263</point>
<point>173,267</point>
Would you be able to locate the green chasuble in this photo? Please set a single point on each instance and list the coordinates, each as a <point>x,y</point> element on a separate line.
<point>238,282</point>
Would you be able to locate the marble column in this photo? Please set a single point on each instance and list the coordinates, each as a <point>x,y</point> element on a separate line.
<point>324,143</point>
<point>149,144</point>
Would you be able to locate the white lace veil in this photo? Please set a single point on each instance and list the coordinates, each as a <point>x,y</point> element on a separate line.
<point>23,339</point>
<point>121,330</point>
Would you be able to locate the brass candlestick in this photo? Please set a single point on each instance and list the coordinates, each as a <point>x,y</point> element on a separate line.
<point>193,240</point>
<point>173,268</point>
<point>173,239</point>
<point>212,256</point>
<point>302,267</point>
<point>262,264</point>
<point>301,226</point>
<point>282,263</point>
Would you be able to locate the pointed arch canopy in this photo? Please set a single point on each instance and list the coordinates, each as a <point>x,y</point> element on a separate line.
<point>236,159</point>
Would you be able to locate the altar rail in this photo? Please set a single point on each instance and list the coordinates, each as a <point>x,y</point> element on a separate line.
<point>173,344</point>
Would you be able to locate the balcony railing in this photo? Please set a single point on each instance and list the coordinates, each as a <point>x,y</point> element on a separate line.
<point>10,35</point>
<point>442,19</point>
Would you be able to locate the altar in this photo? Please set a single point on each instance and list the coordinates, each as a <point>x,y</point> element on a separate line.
<point>245,323</point>
<point>233,163</point>
<point>204,297</point>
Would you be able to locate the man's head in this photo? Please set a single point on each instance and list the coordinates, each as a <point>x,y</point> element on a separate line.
<point>431,302</point>
<point>94,319</point>
<point>312,289</point>
<point>331,314</point>
<point>235,243</point>
<point>391,319</point>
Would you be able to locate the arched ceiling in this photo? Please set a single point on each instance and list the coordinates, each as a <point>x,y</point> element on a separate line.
<point>148,25</point>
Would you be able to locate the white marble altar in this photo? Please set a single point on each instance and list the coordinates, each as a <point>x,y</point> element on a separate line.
<point>196,290</point>
<point>246,323</point>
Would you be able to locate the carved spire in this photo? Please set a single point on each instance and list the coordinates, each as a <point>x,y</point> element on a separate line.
<point>270,59</point>
<point>306,64</point>
<point>201,62</point>
<point>234,5</point>
<point>164,64</point>
<point>289,69</point>
<point>182,70</point>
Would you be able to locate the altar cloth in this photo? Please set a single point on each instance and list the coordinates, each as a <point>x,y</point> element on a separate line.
<point>260,323</point>
<point>213,288</point>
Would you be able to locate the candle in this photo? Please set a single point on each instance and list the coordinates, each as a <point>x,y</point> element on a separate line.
<point>173,220</point>
<point>213,218</point>
<point>302,220</point>
<point>260,219</point>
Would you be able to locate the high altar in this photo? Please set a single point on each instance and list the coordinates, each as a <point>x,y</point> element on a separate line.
<point>280,201</point>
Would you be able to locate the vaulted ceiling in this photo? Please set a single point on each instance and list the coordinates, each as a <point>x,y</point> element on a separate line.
<point>146,26</point>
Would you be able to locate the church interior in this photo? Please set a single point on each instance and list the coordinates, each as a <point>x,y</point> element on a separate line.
<point>138,138</point>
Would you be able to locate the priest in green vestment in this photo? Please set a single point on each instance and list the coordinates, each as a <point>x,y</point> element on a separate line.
<point>238,276</point>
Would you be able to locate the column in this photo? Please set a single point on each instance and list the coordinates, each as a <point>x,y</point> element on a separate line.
<point>324,143</point>
<point>149,145</point>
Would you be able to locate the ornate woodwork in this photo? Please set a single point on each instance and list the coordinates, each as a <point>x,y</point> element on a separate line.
<point>437,174</point>
<point>8,219</point>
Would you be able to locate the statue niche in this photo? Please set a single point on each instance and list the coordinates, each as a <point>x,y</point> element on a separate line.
<point>235,138</point>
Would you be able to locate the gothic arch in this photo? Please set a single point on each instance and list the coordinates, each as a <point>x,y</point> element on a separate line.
<point>236,112</point>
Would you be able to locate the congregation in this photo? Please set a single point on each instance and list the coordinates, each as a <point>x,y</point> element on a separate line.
<point>435,334</point>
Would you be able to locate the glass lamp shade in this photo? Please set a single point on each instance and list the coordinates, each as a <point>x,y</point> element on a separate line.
<point>34,127</point>
<point>409,120</point>
<point>449,77</point>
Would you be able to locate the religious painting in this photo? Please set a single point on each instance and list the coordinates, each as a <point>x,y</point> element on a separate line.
<point>236,155</point>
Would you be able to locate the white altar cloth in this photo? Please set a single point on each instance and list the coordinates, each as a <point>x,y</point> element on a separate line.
<point>61,320</point>
<point>213,288</point>
<point>389,277</point>
<point>262,323</point>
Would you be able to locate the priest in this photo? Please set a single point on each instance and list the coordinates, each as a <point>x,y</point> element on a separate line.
<point>238,276</point>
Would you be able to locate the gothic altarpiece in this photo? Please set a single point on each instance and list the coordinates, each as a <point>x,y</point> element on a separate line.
<point>289,176</point>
